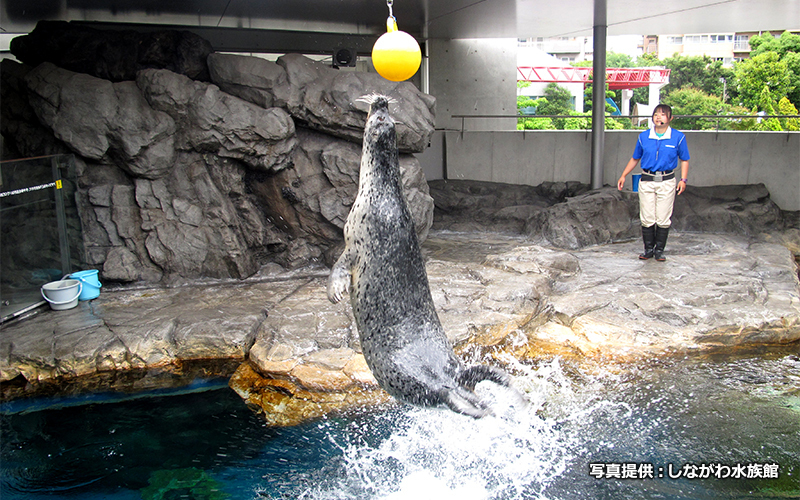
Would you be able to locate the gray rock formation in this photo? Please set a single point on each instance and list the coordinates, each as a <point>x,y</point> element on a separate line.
<point>181,179</point>
<point>253,79</point>
<point>198,220</point>
<point>571,217</point>
<point>100,120</point>
<point>212,121</point>
<point>324,182</point>
<point>325,99</point>
<point>476,205</point>
<point>23,134</point>
<point>734,209</point>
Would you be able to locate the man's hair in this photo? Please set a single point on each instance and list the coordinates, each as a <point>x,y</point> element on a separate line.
<point>664,108</point>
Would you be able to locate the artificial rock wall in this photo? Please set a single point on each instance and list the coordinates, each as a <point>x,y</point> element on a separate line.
<point>181,177</point>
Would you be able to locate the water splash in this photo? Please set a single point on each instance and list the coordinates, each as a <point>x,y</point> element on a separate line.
<point>414,453</point>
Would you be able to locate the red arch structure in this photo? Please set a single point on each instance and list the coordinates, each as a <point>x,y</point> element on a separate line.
<point>617,78</point>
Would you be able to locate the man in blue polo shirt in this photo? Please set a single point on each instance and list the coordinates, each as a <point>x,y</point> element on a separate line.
<point>659,149</point>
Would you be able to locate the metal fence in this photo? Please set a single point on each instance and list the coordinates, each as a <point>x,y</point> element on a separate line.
<point>636,120</point>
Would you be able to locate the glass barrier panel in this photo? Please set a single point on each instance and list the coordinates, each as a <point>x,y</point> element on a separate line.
<point>40,230</point>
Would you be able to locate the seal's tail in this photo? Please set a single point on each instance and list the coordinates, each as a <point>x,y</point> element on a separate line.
<point>470,377</point>
<point>463,400</point>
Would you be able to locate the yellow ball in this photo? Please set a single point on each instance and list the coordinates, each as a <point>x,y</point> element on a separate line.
<point>396,56</point>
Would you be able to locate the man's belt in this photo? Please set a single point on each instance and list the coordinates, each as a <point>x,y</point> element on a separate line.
<point>658,176</point>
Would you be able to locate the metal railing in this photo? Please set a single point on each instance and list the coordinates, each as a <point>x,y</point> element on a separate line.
<point>718,118</point>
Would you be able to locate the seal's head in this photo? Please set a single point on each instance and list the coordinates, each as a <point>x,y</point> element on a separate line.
<point>380,127</point>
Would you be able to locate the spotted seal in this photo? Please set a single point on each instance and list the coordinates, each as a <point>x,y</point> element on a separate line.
<point>382,267</point>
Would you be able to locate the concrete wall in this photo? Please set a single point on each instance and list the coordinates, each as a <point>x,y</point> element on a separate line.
<point>533,157</point>
<point>474,77</point>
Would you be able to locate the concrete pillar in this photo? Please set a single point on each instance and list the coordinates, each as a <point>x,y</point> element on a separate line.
<point>627,95</point>
<point>599,92</point>
<point>653,99</point>
<point>654,94</point>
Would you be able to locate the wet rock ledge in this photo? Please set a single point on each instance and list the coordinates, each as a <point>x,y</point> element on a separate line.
<point>297,355</point>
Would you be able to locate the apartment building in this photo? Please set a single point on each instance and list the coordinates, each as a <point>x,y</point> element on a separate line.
<point>725,47</point>
<point>564,48</point>
<point>581,48</point>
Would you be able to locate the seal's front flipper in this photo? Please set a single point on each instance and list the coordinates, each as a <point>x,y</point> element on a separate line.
<point>467,403</point>
<point>338,284</point>
<point>339,279</point>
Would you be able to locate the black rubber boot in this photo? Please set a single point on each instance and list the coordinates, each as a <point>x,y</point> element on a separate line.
<point>649,238</point>
<point>661,243</point>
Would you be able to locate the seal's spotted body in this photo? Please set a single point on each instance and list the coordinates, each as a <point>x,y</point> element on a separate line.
<point>401,336</point>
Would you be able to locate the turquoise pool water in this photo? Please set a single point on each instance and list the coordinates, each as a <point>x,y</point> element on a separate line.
<point>678,428</point>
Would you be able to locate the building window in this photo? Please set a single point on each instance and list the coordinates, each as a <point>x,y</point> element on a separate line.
<point>696,38</point>
<point>675,40</point>
<point>741,42</point>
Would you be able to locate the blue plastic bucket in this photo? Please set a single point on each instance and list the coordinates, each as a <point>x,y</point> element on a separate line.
<point>91,283</point>
<point>635,178</point>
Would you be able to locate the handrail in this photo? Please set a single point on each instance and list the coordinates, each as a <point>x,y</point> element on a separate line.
<point>589,117</point>
<point>34,157</point>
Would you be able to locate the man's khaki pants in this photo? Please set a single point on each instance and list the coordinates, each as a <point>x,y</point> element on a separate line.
<point>656,200</point>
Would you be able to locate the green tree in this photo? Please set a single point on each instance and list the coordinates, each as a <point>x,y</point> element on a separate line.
<point>765,101</point>
<point>782,45</point>
<point>765,70</point>
<point>535,124</point>
<point>737,123</point>
<point>587,99</point>
<point>792,60</point>
<point>691,101</point>
<point>617,123</point>
<point>611,123</point>
<point>617,60</point>
<point>613,60</point>
<point>557,101</point>
<point>645,60</point>
<point>785,107</point>
<point>700,72</point>
<point>578,122</point>
<point>527,106</point>
<point>787,46</point>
